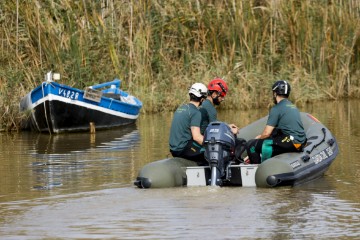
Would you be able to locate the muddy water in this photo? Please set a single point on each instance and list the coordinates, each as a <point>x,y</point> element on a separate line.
<point>79,186</point>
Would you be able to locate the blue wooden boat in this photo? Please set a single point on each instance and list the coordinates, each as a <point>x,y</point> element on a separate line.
<point>57,108</point>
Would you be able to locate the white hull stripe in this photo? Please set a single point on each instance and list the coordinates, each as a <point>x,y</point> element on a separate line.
<point>52,97</point>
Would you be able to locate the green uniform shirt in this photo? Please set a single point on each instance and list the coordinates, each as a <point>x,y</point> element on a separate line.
<point>185,117</point>
<point>286,117</point>
<point>208,114</point>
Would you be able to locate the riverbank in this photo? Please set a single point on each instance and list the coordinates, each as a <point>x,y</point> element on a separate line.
<point>159,48</point>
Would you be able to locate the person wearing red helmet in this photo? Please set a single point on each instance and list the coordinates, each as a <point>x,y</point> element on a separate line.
<point>217,90</point>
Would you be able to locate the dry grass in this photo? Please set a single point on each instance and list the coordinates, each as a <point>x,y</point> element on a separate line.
<point>159,48</point>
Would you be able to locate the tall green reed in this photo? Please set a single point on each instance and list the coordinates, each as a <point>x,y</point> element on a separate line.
<point>160,47</point>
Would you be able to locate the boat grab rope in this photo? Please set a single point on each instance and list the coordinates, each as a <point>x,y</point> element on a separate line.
<point>316,145</point>
<point>43,95</point>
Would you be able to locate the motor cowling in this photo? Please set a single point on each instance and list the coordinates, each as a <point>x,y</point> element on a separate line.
<point>219,143</point>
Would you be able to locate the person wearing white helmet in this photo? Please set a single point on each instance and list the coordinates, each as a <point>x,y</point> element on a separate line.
<point>185,139</point>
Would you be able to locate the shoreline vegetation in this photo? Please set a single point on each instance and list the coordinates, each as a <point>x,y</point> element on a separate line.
<point>159,48</point>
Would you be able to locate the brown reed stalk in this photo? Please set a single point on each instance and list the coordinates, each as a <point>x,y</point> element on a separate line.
<point>160,47</point>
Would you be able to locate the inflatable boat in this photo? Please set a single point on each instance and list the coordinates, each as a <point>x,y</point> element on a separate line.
<point>225,168</point>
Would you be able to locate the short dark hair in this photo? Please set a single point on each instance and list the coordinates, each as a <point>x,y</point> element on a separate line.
<point>194,98</point>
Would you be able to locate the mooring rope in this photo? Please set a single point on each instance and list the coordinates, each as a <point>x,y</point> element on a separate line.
<point>46,118</point>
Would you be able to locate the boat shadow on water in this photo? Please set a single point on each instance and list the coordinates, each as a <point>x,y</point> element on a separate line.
<point>60,155</point>
<point>119,138</point>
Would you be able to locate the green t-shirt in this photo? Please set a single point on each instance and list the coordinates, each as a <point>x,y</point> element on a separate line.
<point>185,117</point>
<point>286,117</point>
<point>208,115</point>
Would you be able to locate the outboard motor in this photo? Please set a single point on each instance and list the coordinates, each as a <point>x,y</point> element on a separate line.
<point>219,143</point>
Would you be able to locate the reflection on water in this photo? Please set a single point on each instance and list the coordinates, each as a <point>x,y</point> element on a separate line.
<point>64,157</point>
<point>80,186</point>
<point>190,213</point>
<point>118,139</point>
<point>68,162</point>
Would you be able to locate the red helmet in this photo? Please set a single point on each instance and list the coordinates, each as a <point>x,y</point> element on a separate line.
<point>219,85</point>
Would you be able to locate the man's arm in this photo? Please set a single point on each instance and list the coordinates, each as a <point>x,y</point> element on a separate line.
<point>266,133</point>
<point>195,132</point>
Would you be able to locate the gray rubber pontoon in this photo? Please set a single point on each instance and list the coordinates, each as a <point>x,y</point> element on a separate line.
<point>286,169</point>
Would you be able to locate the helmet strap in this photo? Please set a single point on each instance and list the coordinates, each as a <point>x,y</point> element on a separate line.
<point>274,98</point>
<point>216,100</point>
<point>201,101</point>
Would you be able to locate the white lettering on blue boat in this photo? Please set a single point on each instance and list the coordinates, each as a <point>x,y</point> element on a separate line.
<point>68,94</point>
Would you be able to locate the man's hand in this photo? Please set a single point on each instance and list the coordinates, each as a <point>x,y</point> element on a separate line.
<point>234,128</point>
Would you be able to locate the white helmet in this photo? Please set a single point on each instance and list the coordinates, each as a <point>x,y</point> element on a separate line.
<point>198,89</point>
